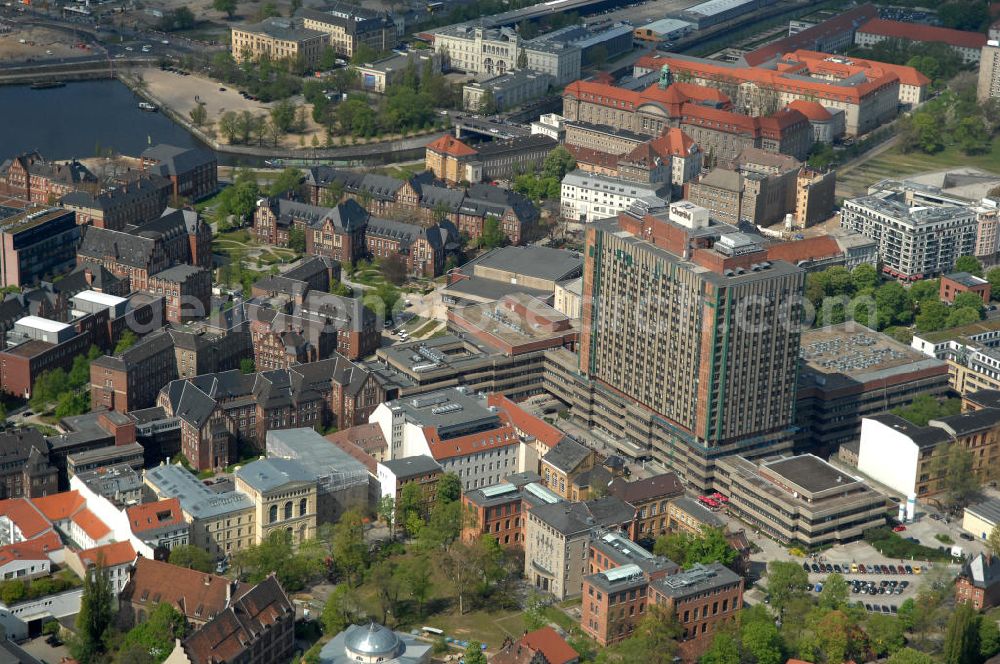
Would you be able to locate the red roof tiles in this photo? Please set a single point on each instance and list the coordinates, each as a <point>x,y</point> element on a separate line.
<point>197,595</point>
<point>451,146</point>
<point>813,110</point>
<point>36,549</point>
<point>25,516</point>
<point>923,33</point>
<point>548,642</point>
<point>109,555</point>
<point>674,142</point>
<point>604,160</point>
<point>824,62</point>
<point>60,506</point>
<point>524,421</point>
<point>153,516</point>
<point>90,524</point>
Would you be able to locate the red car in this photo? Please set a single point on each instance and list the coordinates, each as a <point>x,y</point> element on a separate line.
<point>898,529</point>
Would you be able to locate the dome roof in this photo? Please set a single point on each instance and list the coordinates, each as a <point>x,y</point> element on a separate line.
<point>373,640</point>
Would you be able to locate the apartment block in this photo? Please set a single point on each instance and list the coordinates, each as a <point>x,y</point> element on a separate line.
<point>347,26</point>
<point>36,244</point>
<point>130,381</point>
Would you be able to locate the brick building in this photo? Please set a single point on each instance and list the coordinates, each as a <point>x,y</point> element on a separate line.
<point>450,160</point>
<point>31,177</point>
<point>176,237</point>
<point>130,381</point>
<point>424,200</point>
<point>650,497</point>
<point>25,471</point>
<point>217,411</point>
<point>186,291</point>
<point>963,282</point>
<point>703,598</point>
<point>133,202</point>
<point>978,582</point>
<point>193,172</point>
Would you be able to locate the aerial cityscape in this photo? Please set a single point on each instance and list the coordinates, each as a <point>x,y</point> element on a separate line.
<point>499,332</point>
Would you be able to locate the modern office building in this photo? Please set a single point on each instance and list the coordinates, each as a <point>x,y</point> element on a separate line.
<point>800,499</point>
<point>682,292</point>
<point>36,244</point>
<point>849,372</point>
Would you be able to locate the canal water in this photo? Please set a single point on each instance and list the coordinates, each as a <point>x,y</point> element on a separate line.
<point>75,120</point>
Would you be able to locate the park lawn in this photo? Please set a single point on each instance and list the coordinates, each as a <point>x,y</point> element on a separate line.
<point>414,323</point>
<point>895,163</point>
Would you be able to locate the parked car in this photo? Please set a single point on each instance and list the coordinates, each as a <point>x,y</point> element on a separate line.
<point>966,536</point>
<point>898,529</point>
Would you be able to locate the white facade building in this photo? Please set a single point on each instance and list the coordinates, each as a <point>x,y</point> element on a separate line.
<point>477,50</point>
<point>586,197</point>
<point>458,429</point>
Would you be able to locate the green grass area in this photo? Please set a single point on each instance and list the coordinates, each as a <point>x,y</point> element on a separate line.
<point>400,171</point>
<point>891,545</point>
<point>425,329</point>
<point>238,236</point>
<point>944,539</point>
<point>894,163</point>
<point>414,323</point>
<point>44,429</point>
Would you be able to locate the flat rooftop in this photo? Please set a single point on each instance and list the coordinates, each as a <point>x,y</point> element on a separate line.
<point>452,412</point>
<point>535,261</point>
<point>838,355</point>
<point>809,472</point>
<point>507,326</point>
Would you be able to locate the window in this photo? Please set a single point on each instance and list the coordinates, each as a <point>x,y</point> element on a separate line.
<point>303,504</point>
<point>273,514</point>
<point>288,510</point>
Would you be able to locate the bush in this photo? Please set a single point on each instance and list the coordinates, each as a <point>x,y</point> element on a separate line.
<point>891,545</point>
<point>944,539</point>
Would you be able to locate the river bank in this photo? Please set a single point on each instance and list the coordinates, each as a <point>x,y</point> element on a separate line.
<point>363,154</point>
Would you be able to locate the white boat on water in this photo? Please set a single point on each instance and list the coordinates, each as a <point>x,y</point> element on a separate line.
<point>146,106</point>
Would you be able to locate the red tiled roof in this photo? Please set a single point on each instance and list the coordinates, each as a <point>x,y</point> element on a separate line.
<point>596,157</point>
<point>368,434</point>
<point>777,80</point>
<point>153,516</point>
<point>608,95</point>
<point>197,595</point>
<point>110,555</point>
<point>472,443</point>
<point>451,146</point>
<point>822,62</point>
<point>675,142</point>
<point>59,506</point>
<point>810,37</point>
<point>822,246</point>
<point>813,110</point>
<point>554,647</point>
<point>923,33</point>
<point>36,549</point>
<point>248,619</point>
<point>90,524</point>
<point>25,516</point>
<point>524,421</point>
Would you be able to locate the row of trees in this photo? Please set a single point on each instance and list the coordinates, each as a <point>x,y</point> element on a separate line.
<point>830,628</point>
<point>546,184</point>
<point>838,294</point>
<point>66,389</point>
<point>953,119</point>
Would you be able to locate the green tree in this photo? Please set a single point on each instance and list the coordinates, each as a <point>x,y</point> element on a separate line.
<point>885,633</point>
<point>199,114</point>
<point>910,656</point>
<point>348,549</point>
<point>474,653</point>
<point>297,239</point>
<point>125,341</point>
<point>558,163</point>
<point>416,574</point>
<point>953,464</point>
<point>933,316</point>
<point>989,637</point>
<point>835,593</point>
<point>993,541</point>
<point>411,504</point>
<point>707,547</point>
<point>961,636</point>
<point>969,300</point>
<point>493,236</point>
<point>924,408</point>
<point>363,54</point>
<point>925,290</point>
<point>387,581</point>
<point>723,650</point>
<point>155,636</point>
<point>969,264</point>
<point>341,609</point>
<point>328,60</point>
<point>488,103</point>
<point>79,374</point>
<point>289,180</point>
<point>283,117</point>
<point>449,488</point>
<point>95,620</point>
<point>74,402</point>
<point>226,6</point>
<point>192,557</point>
<point>786,583</point>
<point>759,636</point>
<point>247,365</point>
<point>960,316</point>
<point>865,278</point>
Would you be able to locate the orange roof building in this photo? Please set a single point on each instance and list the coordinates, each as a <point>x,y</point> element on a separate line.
<point>447,158</point>
<point>966,44</point>
<point>834,34</point>
<point>869,98</point>
<point>912,84</point>
<point>68,512</point>
<point>25,517</point>
<point>116,558</point>
<point>545,642</point>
